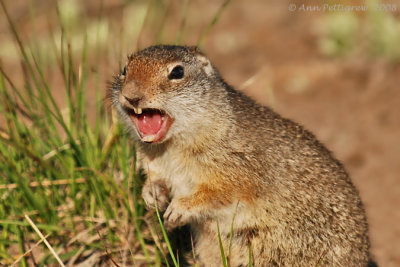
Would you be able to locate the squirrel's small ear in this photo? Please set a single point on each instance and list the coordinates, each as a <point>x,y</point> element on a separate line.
<point>203,59</point>
<point>205,63</point>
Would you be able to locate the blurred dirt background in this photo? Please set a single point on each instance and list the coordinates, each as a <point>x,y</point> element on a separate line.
<point>347,93</point>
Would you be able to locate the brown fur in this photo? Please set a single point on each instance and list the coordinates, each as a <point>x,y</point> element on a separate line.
<point>229,160</point>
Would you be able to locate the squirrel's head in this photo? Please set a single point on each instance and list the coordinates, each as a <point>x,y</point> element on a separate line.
<point>165,91</point>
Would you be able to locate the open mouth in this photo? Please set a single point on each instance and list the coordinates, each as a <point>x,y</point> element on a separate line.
<point>152,124</point>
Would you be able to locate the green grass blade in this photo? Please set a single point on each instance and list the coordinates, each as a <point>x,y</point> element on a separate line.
<point>176,263</point>
<point>221,248</point>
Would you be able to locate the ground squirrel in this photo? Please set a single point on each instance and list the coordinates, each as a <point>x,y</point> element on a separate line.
<point>213,156</point>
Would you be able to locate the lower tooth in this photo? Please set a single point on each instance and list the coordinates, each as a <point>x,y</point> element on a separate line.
<point>149,138</point>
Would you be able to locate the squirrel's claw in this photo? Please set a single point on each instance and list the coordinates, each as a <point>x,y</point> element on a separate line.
<point>155,193</point>
<point>175,215</point>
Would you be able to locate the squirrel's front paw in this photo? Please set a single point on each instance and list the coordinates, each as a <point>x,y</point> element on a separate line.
<point>176,215</point>
<point>155,192</point>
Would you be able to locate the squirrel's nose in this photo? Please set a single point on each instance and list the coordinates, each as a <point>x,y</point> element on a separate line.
<point>131,96</point>
<point>131,101</point>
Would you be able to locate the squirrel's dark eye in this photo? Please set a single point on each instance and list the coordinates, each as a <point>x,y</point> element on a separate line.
<point>176,73</point>
<point>124,71</point>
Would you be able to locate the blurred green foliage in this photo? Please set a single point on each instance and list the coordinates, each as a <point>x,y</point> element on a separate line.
<point>374,33</point>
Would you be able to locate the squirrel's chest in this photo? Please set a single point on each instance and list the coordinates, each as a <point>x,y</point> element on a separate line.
<point>179,173</point>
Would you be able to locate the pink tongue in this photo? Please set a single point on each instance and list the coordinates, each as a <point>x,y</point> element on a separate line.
<point>149,123</point>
